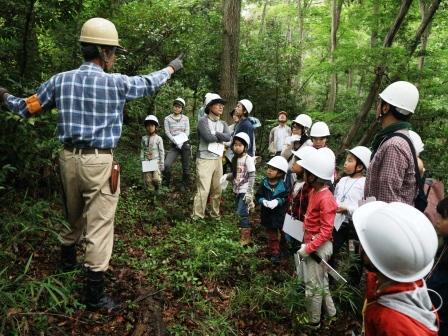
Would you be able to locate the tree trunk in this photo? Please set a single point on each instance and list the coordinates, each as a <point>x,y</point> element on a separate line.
<point>424,40</point>
<point>336,6</point>
<point>349,79</point>
<point>375,24</point>
<point>23,60</point>
<point>379,72</point>
<point>302,5</point>
<point>230,54</point>
<point>263,18</point>
<point>423,25</point>
<point>421,30</point>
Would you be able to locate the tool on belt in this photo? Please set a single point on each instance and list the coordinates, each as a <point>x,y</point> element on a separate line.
<point>114,176</point>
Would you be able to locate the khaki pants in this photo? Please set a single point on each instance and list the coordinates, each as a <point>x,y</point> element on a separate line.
<point>317,290</point>
<point>208,174</point>
<point>152,179</point>
<point>90,205</point>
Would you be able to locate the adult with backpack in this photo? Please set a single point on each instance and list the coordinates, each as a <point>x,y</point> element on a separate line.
<point>393,174</point>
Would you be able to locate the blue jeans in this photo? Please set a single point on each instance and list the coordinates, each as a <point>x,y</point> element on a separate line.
<point>242,212</point>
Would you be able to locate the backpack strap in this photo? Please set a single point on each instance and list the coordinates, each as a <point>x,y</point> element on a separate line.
<point>414,156</point>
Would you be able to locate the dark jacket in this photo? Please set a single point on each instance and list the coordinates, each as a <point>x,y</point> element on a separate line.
<point>246,126</point>
<point>272,218</point>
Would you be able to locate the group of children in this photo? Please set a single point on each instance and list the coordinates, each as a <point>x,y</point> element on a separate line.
<point>300,188</point>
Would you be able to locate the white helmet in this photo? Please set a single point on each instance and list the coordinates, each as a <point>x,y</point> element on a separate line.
<point>321,163</point>
<point>242,136</point>
<point>206,96</point>
<point>403,95</point>
<point>213,98</point>
<point>362,153</point>
<point>303,151</point>
<point>279,162</point>
<point>399,240</point>
<point>153,118</point>
<point>304,120</point>
<point>247,105</point>
<point>319,130</point>
<point>179,100</point>
<point>417,142</point>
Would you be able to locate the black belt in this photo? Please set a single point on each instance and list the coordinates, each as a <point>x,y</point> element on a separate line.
<point>88,150</point>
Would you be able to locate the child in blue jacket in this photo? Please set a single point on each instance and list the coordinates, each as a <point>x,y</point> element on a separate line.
<point>271,196</point>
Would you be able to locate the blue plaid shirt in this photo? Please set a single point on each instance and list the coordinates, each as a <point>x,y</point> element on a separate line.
<point>90,103</point>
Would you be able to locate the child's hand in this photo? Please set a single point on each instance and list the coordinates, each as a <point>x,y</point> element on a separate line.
<point>266,203</point>
<point>302,251</point>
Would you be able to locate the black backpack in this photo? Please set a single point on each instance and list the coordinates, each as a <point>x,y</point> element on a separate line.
<point>421,201</point>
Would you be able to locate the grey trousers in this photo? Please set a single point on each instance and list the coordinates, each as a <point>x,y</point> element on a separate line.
<point>317,289</point>
<point>172,155</point>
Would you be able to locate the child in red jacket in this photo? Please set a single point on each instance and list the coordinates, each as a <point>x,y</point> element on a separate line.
<point>318,226</point>
<point>399,244</point>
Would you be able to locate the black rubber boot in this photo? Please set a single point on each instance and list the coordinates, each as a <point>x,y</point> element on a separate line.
<point>185,182</point>
<point>95,297</point>
<point>68,258</point>
<point>166,178</point>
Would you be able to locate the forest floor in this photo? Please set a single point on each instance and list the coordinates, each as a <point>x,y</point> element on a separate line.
<point>171,275</point>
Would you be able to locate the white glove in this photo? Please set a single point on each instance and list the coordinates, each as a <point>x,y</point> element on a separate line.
<point>224,182</point>
<point>302,251</point>
<point>250,206</point>
<point>273,204</point>
<point>266,203</point>
<point>223,179</point>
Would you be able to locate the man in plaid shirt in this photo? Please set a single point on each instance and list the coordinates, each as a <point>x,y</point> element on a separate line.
<point>391,175</point>
<point>90,103</point>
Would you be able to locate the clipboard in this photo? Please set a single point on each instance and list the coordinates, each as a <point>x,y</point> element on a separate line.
<point>293,227</point>
<point>216,148</point>
<point>180,139</point>
<point>150,165</point>
<point>338,220</point>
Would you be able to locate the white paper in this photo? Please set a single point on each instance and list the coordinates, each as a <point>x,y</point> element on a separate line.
<point>216,147</point>
<point>149,166</point>
<point>293,227</point>
<point>338,220</point>
<point>180,139</point>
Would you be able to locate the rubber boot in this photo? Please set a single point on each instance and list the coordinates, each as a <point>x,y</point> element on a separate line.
<point>245,236</point>
<point>95,298</point>
<point>166,178</point>
<point>68,258</point>
<point>185,185</point>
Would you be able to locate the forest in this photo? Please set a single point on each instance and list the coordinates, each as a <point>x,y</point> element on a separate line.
<point>326,58</point>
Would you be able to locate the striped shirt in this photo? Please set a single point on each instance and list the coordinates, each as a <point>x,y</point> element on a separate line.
<point>174,126</point>
<point>90,103</point>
